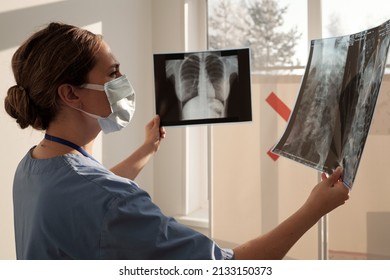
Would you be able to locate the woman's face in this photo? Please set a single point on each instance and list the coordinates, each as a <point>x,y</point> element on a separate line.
<point>105,70</point>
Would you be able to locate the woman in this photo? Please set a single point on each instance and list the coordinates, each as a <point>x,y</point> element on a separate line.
<point>66,204</point>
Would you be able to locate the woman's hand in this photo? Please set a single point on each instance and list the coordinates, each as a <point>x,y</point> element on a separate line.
<point>328,194</point>
<point>154,134</point>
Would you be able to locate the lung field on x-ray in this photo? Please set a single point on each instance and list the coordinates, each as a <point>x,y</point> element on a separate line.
<point>189,78</point>
<point>202,84</point>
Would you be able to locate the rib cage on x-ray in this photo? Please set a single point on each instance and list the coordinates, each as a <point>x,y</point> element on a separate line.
<point>202,84</point>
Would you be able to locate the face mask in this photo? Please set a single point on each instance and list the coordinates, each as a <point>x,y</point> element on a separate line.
<point>121,97</point>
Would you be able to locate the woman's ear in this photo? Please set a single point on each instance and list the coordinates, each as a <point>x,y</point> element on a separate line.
<point>68,95</point>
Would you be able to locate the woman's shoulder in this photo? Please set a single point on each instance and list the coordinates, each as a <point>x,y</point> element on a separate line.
<point>78,174</point>
<point>100,177</point>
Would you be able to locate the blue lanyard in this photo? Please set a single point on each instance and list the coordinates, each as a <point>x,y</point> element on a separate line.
<point>69,144</point>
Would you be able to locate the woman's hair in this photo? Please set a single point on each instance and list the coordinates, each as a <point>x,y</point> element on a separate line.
<point>58,54</point>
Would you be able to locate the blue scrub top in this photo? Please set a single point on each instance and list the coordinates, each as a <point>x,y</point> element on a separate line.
<point>71,207</point>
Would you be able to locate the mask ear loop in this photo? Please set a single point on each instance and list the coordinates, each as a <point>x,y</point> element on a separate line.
<point>80,107</point>
<point>93,87</point>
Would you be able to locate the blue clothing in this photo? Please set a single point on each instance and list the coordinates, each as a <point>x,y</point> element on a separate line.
<point>71,207</point>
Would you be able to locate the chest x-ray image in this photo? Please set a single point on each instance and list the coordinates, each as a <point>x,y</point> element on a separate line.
<point>329,124</point>
<point>203,87</point>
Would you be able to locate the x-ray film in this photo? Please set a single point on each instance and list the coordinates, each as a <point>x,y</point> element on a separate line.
<point>329,124</point>
<point>203,87</point>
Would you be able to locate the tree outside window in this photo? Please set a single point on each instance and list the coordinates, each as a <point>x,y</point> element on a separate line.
<point>257,24</point>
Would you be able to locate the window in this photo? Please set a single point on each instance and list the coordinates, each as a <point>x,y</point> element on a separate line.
<point>278,38</point>
<point>340,17</point>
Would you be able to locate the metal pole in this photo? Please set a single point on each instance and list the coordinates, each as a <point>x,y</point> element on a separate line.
<point>322,234</point>
<point>323,238</point>
<point>210,178</point>
<point>314,13</point>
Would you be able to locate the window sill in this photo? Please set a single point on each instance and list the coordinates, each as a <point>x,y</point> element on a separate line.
<point>199,218</point>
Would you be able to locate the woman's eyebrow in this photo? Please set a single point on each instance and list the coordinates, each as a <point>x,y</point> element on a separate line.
<point>115,65</point>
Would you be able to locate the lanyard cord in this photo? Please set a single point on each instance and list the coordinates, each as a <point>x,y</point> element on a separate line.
<point>69,144</point>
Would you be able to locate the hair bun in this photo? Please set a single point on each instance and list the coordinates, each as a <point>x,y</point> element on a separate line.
<point>17,104</point>
<point>21,88</point>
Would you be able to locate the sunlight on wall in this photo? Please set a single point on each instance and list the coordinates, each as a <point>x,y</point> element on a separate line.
<point>7,6</point>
